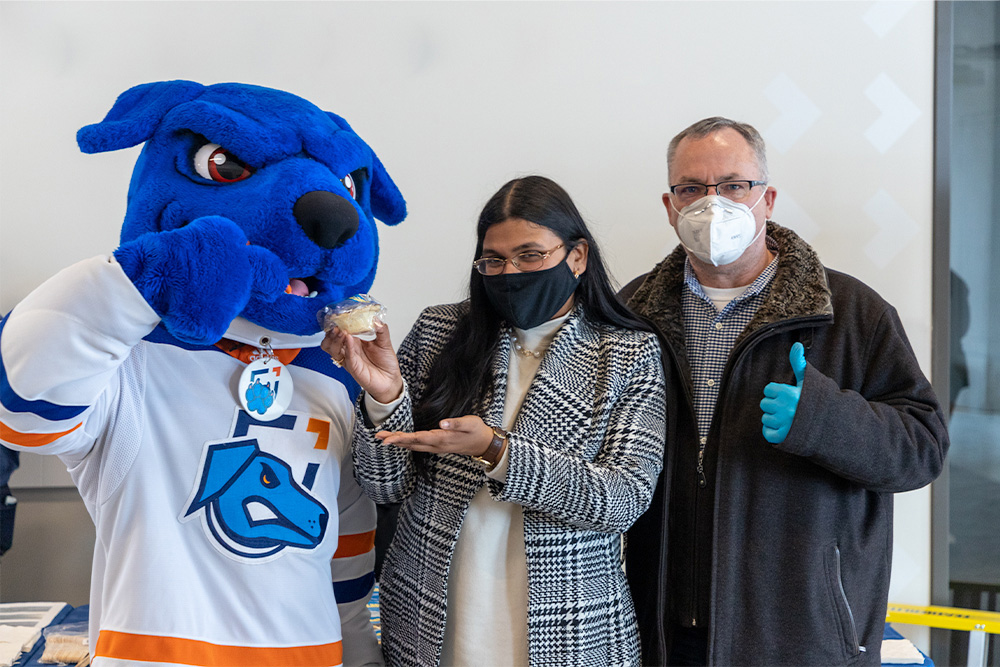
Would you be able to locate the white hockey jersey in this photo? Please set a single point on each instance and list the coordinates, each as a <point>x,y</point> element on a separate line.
<point>215,531</point>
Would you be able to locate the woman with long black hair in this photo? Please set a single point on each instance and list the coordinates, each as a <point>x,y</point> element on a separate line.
<point>523,431</point>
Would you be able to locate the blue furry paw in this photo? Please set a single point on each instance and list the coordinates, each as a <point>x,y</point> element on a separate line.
<point>200,277</point>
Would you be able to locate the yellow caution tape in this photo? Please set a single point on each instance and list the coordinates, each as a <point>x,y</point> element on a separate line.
<point>949,618</point>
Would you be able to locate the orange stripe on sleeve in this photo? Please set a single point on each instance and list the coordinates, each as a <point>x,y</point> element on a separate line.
<point>128,646</point>
<point>355,545</point>
<point>7,434</point>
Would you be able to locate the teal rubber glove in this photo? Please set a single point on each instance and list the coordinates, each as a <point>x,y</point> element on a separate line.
<point>781,400</point>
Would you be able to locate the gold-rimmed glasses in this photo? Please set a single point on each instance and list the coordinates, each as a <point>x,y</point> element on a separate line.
<point>529,260</point>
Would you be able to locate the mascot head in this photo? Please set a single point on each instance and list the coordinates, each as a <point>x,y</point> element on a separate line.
<point>297,181</point>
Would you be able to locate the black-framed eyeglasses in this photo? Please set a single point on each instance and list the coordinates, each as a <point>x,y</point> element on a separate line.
<point>529,260</point>
<point>731,190</point>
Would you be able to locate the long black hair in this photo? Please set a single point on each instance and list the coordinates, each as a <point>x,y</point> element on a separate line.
<point>460,374</point>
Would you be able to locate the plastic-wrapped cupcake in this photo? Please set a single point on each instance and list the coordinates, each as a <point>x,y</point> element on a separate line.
<point>358,316</point>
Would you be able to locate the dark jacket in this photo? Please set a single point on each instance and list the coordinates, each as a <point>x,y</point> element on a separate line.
<point>796,538</point>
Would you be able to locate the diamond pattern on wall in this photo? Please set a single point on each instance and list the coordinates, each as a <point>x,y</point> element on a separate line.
<point>895,228</point>
<point>797,113</point>
<point>898,112</point>
<point>885,14</point>
<point>788,213</point>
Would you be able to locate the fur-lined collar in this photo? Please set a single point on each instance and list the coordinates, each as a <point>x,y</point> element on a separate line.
<point>799,289</point>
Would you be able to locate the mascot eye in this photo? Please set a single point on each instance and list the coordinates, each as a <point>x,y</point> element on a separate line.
<point>348,182</point>
<point>215,163</point>
<point>267,477</point>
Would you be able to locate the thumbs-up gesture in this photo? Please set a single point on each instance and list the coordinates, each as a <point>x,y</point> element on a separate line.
<point>781,400</point>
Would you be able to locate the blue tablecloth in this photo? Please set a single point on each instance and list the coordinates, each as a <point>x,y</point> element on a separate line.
<point>68,615</point>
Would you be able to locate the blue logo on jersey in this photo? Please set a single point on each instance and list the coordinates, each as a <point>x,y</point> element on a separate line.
<point>253,506</point>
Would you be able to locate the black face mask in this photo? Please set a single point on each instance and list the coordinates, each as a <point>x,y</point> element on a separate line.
<point>526,300</point>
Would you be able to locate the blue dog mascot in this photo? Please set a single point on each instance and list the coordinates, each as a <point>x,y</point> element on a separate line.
<point>180,379</point>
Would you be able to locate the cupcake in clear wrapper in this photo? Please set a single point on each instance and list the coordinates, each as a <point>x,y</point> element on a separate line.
<point>358,316</point>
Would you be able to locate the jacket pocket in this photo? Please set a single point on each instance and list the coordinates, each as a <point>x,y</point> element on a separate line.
<point>842,606</point>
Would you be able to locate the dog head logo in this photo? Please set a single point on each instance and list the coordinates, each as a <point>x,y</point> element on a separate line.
<point>252,505</point>
<point>296,180</point>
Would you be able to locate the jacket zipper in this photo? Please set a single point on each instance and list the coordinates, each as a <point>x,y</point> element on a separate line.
<point>847,605</point>
<point>702,480</point>
<point>702,483</point>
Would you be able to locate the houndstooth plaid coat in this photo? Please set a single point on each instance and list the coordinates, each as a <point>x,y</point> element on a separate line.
<point>584,455</point>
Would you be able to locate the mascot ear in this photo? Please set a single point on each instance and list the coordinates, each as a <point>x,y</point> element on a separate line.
<point>136,115</point>
<point>386,199</point>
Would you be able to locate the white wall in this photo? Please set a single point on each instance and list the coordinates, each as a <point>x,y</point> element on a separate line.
<point>458,97</point>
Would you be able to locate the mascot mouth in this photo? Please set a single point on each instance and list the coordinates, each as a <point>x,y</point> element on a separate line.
<point>304,287</point>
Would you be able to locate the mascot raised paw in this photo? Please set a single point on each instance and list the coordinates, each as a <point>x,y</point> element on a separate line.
<point>181,381</point>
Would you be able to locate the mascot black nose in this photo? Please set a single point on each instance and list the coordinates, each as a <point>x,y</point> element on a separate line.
<point>328,220</point>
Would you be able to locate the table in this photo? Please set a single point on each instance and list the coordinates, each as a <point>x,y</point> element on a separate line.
<point>82,613</point>
<point>68,615</point>
<point>891,633</point>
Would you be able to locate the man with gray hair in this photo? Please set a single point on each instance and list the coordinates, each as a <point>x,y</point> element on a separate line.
<point>796,409</point>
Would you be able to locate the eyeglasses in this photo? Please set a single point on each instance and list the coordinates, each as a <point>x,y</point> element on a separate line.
<point>731,190</point>
<point>529,260</point>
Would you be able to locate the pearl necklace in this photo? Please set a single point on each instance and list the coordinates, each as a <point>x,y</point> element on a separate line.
<point>523,351</point>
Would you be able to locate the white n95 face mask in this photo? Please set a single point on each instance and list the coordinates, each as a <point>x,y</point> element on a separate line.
<point>717,230</point>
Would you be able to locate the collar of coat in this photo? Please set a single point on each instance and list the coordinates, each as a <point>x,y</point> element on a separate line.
<point>577,336</point>
<point>799,289</point>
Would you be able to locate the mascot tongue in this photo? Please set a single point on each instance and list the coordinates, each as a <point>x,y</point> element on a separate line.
<point>297,287</point>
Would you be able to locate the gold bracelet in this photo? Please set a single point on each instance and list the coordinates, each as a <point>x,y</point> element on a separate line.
<point>491,456</point>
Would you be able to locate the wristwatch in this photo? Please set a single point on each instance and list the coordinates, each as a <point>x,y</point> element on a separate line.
<point>491,456</point>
